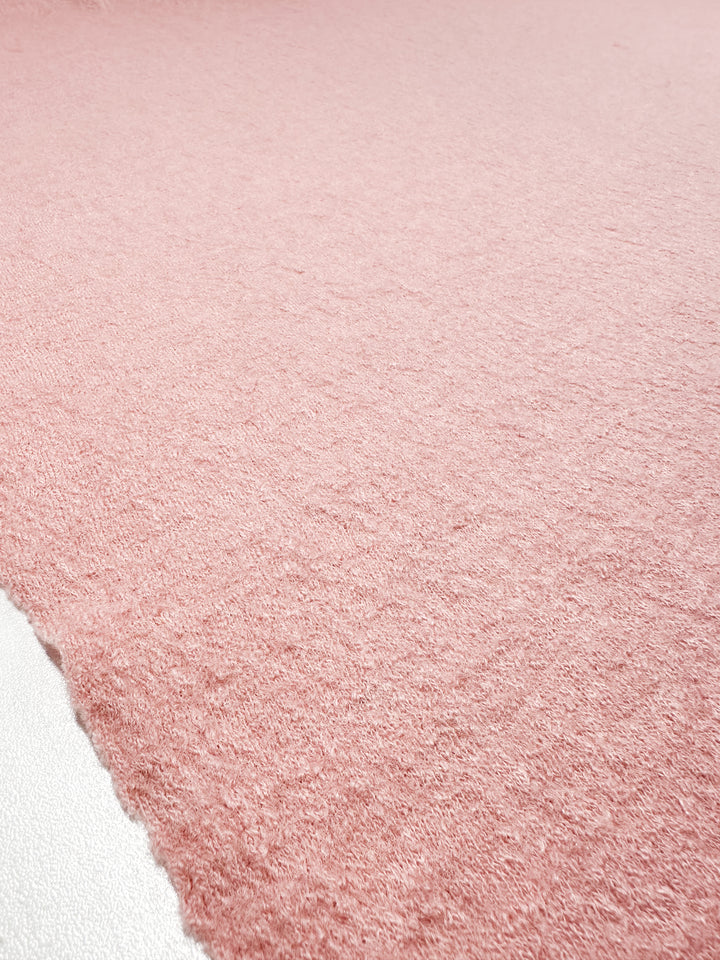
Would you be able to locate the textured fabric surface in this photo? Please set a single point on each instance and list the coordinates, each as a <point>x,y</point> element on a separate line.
<point>358,453</point>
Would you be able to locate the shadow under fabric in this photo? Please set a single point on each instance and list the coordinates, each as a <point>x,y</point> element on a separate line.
<point>359,456</point>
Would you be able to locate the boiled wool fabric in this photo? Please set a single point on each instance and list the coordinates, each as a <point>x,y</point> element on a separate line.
<point>359,456</point>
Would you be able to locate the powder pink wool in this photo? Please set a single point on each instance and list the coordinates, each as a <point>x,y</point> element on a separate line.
<point>359,454</point>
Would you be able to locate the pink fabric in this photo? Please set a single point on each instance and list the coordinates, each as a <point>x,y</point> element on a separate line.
<point>359,454</point>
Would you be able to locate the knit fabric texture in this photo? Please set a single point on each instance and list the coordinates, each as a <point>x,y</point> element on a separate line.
<point>359,425</point>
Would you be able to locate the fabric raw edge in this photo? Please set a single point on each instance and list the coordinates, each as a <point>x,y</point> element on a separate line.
<point>53,649</point>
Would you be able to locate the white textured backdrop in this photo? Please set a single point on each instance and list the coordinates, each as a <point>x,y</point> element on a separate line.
<point>77,878</point>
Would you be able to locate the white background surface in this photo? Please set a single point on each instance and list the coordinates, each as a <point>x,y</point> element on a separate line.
<point>77,878</point>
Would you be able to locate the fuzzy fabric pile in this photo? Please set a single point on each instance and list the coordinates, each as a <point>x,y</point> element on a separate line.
<point>359,434</point>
